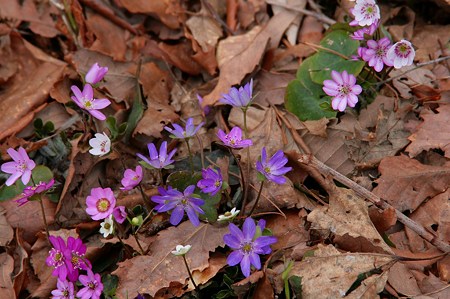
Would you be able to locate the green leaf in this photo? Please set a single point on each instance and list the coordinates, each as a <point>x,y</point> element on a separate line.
<point>135,115</point>
<point>296,284</point>
<point>8,192</point>
<point>40,173</point>
<point>49,127</point>
<point>38,124</point>
<point>110,283</point>
<point>180,180</point>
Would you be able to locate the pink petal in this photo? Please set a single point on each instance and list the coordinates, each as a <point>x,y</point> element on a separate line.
<point>101,103</point>
<point>97,114</point>
<point>337,77</point>
<point>88,92</point>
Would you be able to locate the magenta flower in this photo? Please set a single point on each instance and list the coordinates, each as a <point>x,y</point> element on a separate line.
<point>158,160</point>
<point>401,54</point>
<point>100,203</point>
<point>96,73</point>
<point>211,181</point>
<point>172,199</point>
<point>360,33</point>
<point>93,286</point>
<point>85,100</point>
<point>184,133</point>
<point>132,178</point>
<point>56,257</point>
<point>21,167</point>
<point>33,190</point>
<point>64,290</point>
<point>366,12</point>
<point>343,89</point>
<point>239,97</point>
<point>247,246</point>
<point>234,138</point>
<point>376,52</point>
<point>74,258</point>
<point>120,214</point>
<point>273,169</point>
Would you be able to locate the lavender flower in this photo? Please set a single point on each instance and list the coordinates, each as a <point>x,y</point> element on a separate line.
<point>21,167</point>
<point>33,190</point>
<point>239,97</point>
<point>366,12</point>
<point>360,33</point>
<point>120,214</point>
<point>343,89</point>
<point>189,131</point>
<point>172,199</point>
<point>247,246</point>
<point>93,286</point>
<point>376,52</point>
<point>100,203</point>
<point>64,290</point>
<point>401,54</point>
<point>158,160</point>
<point>132,178</point>
<point>211,181</point>
<point>95,73</point>
<point>273,169</point>
<point>85,100</point>
<point>234,138</point>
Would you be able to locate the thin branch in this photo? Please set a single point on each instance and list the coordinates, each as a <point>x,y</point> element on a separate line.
<point>319,16</point>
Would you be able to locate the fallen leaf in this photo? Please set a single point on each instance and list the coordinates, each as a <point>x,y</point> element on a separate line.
<point>180,55</point>
<point>163,114</point>
<point>382,219</point>
<point>242,287</point>
<point>205,30</point>
<point>271,87</point>
<point>317,127</point>
<point>6,285</point>
<point>6,231</point>
<point>403,281</point>
<point>425,40</point>
<point>288,229</point>
<point>409,77</point>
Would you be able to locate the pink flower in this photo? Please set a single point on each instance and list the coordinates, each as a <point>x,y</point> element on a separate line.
<point>120,214</point>
<point>64,290</point>
<point>56,258</point>
<point>131,178</point>
<point>401,54</point>
<point>93,286</point>
<point>360,33</point>
<point>234,138</point>
<point>21,167</point>
<point>100,203</point>
<point>366,12</point>
<point>74,258</point>
<point>376,52</point>
<point>343,89</point>
<point>85,100</point>
<point>33,190</point>
<point>96,73</point>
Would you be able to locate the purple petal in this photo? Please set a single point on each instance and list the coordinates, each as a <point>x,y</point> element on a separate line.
<point>231,241</point>
<point>101,103</point>
<point>235,258</point>
<point>255,260</point>
<point>177,215</point>
<point>245,265</point>
<point>249,228</point>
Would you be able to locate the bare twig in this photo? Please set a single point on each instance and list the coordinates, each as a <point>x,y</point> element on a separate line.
<point>320,16</point>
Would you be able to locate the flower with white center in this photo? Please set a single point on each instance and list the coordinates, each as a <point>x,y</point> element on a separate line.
<point>181,250</point>
<point>401,54</point>
<point>228,215</point>
<point>107,226</point>
<point>101,144</point>
<point>366,12</point>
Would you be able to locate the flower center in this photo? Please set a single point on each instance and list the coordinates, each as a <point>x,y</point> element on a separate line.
<point>103,146</point>
<point>380,52</point>
<point>184,201</point>
<point>247,248</point>
<point>91,285</point>
<point>107,226</point>
<point>21,166</point>
<point>65,293</point>
<point>88,104</point>
<point>369,10</point>
<point>103,205</point>
<point>402,49</point>
<point>227,214</point>
<point>135,178</point>
<point>267,169</point>
<point>344,89</point>
<point>217,183</point>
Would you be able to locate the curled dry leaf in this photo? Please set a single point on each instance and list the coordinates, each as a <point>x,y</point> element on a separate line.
<point>6,284</point>
<point>163,113</point>
<point>205,30</point>
<point>6,231</point>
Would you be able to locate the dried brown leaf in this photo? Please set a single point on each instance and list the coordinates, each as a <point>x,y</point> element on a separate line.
<point>154,119</point>
<point>426,40</point>
<point>6,284</point>
<point>288,229</point>
<point>205,30</point>
<point>403,281</point>
<point>271,87</point>
<point>6,231</point>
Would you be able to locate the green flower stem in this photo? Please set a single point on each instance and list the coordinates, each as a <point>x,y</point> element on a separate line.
<point>257,198</point>
<point>190,275</point>
<point>43,216</point>
<point>191,159</point>
<point>145,219</point>
<point>144,197</point>
<point>246,187</point>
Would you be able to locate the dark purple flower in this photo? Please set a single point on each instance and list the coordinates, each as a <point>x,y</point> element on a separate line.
<point>96,73</point>
<point>211,182</point>
<point>184,133</point>
<point>85,100</point>
<point>132,178</point>
<point>247,246</point>
<point>234,138</point>
<point>56,257</point>
<point>33,190</point>
<point>343,89</point>
<point>273,169</point>
<point>120,214</point>
<point>158,160</point>
<point>64,290</point>
<point>376,53</point>
<point>239,97</point>
<point>172,199</point>
<point>93,286</point>
<point>21,167</point>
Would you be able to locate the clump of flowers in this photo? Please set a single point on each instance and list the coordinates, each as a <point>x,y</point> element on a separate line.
<point>211,181</point>
<point>343,89</point>
<point>21,167</point>
<point>158,160</point>
<point>100,203</point>
<point>85,100</point>
<point>234,138</point>
<point>101,144</point>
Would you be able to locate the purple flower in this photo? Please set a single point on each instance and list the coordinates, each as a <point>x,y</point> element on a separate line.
<point>56,257</point>
<point>343,89</point>
<point>64,290</point>
<point>172,199</point>
<point>273,169</point>
<point>184,133</point>
<point>401,54</point>
<point>366,12</point>
<point>85,100</point>
<point>96,73</point>
<point>206,109</point>
<point>33,190</point>
<point>239,97</point>
<point>21,167</point>
<point>93,286</point>
<point>158,160</point>
<point>74,258</point>
<point>234,138</point>
<point>247,246</point>
<point>100,203</point>
<point>376,52</point>
<point>131,178</point>
<point>211,182</point>
<point>119,214</point>
<point>360,33</point>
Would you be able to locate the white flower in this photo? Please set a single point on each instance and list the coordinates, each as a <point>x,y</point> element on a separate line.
<point>366,12</point>
<point>401,54</point>
<point>229,215</point>
<point>107,226</point>
<point>181,250</point>
<point>101,144</point>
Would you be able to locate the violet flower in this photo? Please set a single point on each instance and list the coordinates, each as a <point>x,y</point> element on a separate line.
<point>85,100</point>
<point>211,181</point>
<point>64,290</point>
<point>95,73</point>
<point>120,214</point>
<point>172,199</point>
<point>247,246</point>
<point>273,169</point>
<point>100,203</point>
<point>366,12</point>
<point>401,54</point>
<point>360,33</point>
<point>234,138</point>
<point>30,191</point>
<point>56,257</point>
<point>241,97</point>
<point>343,89</point>
<point>184,133</point>
<point>74,258</point>
<point>20,167</point>
<point>93,286</point>
<point>158,160</point>
<point>376,52</point>
<point>131,178</point>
